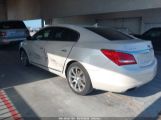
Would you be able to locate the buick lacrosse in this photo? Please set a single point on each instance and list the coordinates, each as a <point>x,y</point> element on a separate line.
<point>91,58</point>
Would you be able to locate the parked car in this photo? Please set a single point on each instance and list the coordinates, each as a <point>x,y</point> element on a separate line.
<point>154,35</point>
<point>90,58</point>
<point>12,31</point>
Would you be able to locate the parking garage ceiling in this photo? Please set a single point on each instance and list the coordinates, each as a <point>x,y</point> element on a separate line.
<point>31,9</point>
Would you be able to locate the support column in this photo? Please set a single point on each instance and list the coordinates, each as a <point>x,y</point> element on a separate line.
<point>42,23</point>
<point>3,10</point>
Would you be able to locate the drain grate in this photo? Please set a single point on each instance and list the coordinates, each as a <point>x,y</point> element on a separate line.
<point>7,109</point>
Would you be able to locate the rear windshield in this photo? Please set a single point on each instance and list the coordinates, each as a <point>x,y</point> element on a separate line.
<point>12,25</point>
<point>110,34</point>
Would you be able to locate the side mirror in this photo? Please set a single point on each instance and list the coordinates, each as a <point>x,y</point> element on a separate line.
<point>29,37</point>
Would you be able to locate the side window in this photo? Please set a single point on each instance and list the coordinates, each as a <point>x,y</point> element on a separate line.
<point>58,34</point>
<point>38,36</point>
<point>65,34</point>
<point>156,34</point>
<point>153,34</point>
<point>45,34</point>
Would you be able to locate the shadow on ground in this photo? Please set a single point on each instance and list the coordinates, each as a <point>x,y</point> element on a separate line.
<point>21,105</point>
<point>151,113</point>
<point>12,73</point>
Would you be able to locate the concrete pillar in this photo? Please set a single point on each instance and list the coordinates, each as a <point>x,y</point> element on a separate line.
<point>48,21</point>
<point>42,23</point>
<point>3,10</point>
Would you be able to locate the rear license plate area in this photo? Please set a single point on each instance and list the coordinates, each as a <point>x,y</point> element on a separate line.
<point>146,58</point>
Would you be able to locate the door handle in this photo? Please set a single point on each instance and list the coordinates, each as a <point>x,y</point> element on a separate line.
<point>64,50</point>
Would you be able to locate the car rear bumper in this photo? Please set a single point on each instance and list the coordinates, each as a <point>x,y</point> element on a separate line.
<point>121,82</point>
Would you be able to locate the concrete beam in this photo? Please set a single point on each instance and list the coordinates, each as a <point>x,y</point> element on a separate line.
<point>48,9</point>
<point>62,8</point>
<point>23,9</point>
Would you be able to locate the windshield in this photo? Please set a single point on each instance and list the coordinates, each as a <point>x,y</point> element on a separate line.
<point>110,34</point>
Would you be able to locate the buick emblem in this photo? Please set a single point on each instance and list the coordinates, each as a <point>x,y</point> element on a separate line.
<point>149,46</point>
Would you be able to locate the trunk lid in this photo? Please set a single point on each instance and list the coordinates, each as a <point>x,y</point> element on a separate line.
<point>141,50</point>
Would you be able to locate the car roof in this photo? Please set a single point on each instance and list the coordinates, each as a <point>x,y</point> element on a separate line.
<point>84,33</point>
<point>74,27</point>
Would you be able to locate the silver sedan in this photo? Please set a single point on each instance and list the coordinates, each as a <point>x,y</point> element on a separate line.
<point>90,58</point>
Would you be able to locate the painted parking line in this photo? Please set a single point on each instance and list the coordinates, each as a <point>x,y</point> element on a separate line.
<point>7,110</point>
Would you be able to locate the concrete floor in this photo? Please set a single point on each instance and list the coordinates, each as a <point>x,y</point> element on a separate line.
<point>36,93</point>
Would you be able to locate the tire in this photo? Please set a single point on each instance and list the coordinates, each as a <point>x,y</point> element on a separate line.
<point>78,79</point>
<point>24,58</point>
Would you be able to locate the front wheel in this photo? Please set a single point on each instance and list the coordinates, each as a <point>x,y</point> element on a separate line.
<point>24,58</point>
<point>79,79</point>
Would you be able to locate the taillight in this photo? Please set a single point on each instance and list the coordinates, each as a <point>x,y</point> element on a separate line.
<point>2,34</point>
<point>119,58</point>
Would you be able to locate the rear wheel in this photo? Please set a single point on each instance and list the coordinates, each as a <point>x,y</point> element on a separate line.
<point>79,79</point>
<point>24,58</point>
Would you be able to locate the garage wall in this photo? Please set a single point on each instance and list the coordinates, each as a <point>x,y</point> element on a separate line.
<point>23,9</point>
<point>134,16</point>
<point>61,8</point>
<point>3,12</point>
<point>134,22</point>
<point>127,25</point>
<point>152,21</point>
<point>76,20</point>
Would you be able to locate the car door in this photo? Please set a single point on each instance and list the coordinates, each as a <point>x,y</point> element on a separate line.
<point>38,54</point>
<point>60,47</point>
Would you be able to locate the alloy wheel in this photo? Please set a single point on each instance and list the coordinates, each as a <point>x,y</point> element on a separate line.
<point>77,79</point>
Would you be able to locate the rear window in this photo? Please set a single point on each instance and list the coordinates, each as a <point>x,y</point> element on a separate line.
<point>12,25</point>
<point>110,34</point>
